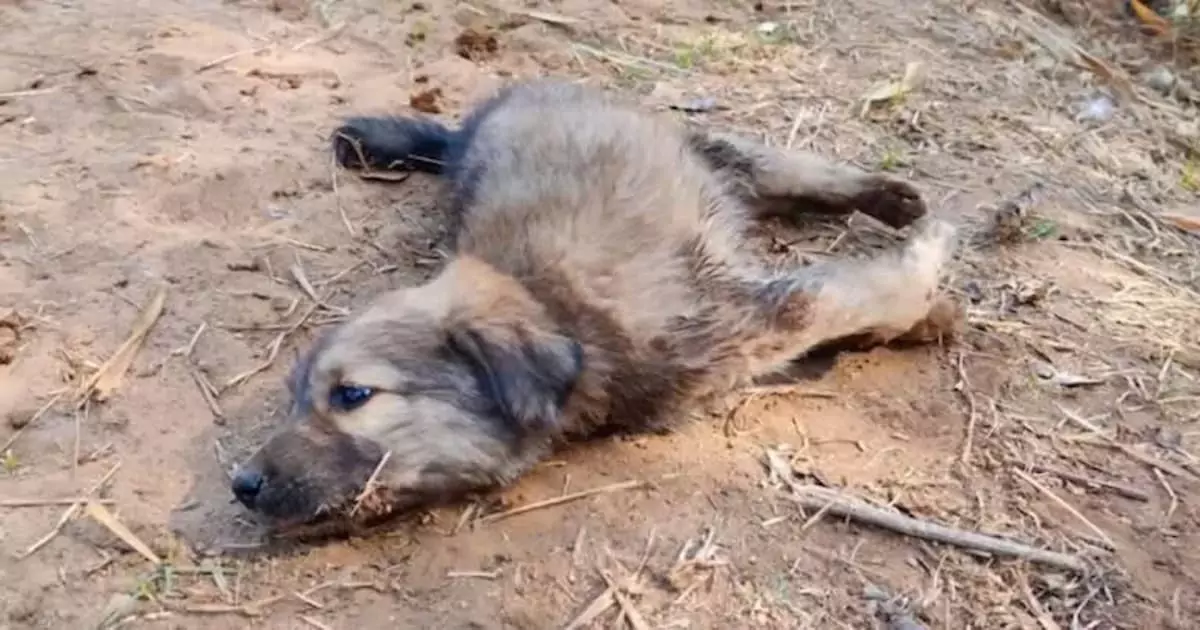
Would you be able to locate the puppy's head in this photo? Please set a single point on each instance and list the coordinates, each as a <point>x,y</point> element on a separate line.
<point>459,384</point>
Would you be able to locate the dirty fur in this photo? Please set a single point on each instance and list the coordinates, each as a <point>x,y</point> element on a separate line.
<point>600,280</point>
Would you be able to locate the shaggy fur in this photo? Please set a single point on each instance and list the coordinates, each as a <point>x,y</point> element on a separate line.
<point>600,280</point>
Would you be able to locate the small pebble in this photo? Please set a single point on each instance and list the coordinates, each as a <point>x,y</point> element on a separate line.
<point>1097,109</point>
<point>1160,78</point>
<point>19,419</point>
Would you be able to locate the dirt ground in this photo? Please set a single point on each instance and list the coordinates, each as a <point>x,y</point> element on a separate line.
<point>181,145</point>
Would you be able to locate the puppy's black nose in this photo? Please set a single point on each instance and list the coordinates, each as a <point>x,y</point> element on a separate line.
<point>246,485</point>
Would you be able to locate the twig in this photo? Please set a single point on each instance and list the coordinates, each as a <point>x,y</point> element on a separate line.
<point>964,388</point>
<point>1106,441</point>
<point>788,389</point>
<point>817,517</point>
<point>322,38</point>
<point>854,509</point>
<point>370,485</point>
<point>70,513</point>
<point>273,353</point>
<point>337,198</point>
<point>209,393</point>
<point>1128,492</point>
<point>483,575</point>
<point>186,351</point>
<point>37,415</point>
<point>1047,622</point>
<point>79,416</point>
<point>635,617</point>
<point>567,498</point>
<point>1171,493</point>
<point>1066,506</point>
<point>29,503</point>
<point>257,608</point>
<point>1152,462</point>
<point>231,56</point>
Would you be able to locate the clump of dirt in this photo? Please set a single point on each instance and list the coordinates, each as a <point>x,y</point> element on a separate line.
<point>477,45</point>
<point>11,325</point>
<point>427,101</point>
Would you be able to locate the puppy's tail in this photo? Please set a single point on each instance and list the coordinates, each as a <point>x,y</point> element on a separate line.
<point>392,144</point>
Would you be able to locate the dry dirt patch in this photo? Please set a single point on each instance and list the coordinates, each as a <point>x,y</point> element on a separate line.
<point>180,146</point>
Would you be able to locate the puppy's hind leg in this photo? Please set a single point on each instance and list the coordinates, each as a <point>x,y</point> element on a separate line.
<point>893,296</point>
<point>779,182</point>
<point>393,143</point>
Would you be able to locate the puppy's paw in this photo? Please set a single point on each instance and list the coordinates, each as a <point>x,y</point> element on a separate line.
<point>356,144</point>
<point>944,322</point>
<point>391,143</point>
<point>892,201</point>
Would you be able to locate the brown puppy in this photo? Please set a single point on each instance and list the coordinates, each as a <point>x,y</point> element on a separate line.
<point>600,280</point>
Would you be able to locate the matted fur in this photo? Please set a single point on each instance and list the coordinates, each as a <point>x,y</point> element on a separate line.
<point>600,279</point>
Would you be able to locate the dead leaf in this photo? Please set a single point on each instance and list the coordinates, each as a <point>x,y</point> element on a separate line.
<point>914,76</point>
<point>108,377</point>
<point>1151,20</point>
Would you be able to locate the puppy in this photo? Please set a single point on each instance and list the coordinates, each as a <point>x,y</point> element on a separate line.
<point>600,280</point>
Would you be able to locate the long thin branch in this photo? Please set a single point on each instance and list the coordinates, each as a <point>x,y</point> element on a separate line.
<point>837,504</point>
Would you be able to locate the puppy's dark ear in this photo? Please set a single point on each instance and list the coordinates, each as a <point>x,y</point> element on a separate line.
<point>528,374</point>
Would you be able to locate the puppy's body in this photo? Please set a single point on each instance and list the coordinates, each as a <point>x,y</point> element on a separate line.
<point>600,279</point>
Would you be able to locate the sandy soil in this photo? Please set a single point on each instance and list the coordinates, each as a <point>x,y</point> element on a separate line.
<point>181,145</point>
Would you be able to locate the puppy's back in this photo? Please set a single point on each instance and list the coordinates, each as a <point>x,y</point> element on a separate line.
<point>562,169</point>
<point>566,182</point>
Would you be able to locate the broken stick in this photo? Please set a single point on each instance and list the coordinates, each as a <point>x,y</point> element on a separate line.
<point>835,503</point>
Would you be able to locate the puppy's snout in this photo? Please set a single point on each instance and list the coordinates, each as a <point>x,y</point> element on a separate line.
<point>246,486</point>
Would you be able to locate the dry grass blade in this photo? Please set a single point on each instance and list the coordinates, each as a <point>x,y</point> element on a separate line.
<point>37,415</point>
<point>1053,39</point>
<point>478,575</point>
<point>231,56</point>
<point>108,377</point>
<point>209,393</point>
<point>549,18</point>
<point>314,623</point>
<point>635,616</point>
<point>22,93</point>
<point>1066,506</point>
<point>597,607</point>
<point>1171,493</point>
<point>273,351</point>
<point>369,487</point>
<point>1047,622</point>
<point>70,513</point>
<point>568,498</point>
<point>1090,482</point>
<point>914,76</point>
<point>106,518</point>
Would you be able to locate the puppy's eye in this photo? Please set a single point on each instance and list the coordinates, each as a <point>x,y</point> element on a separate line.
<point>349,397</point>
